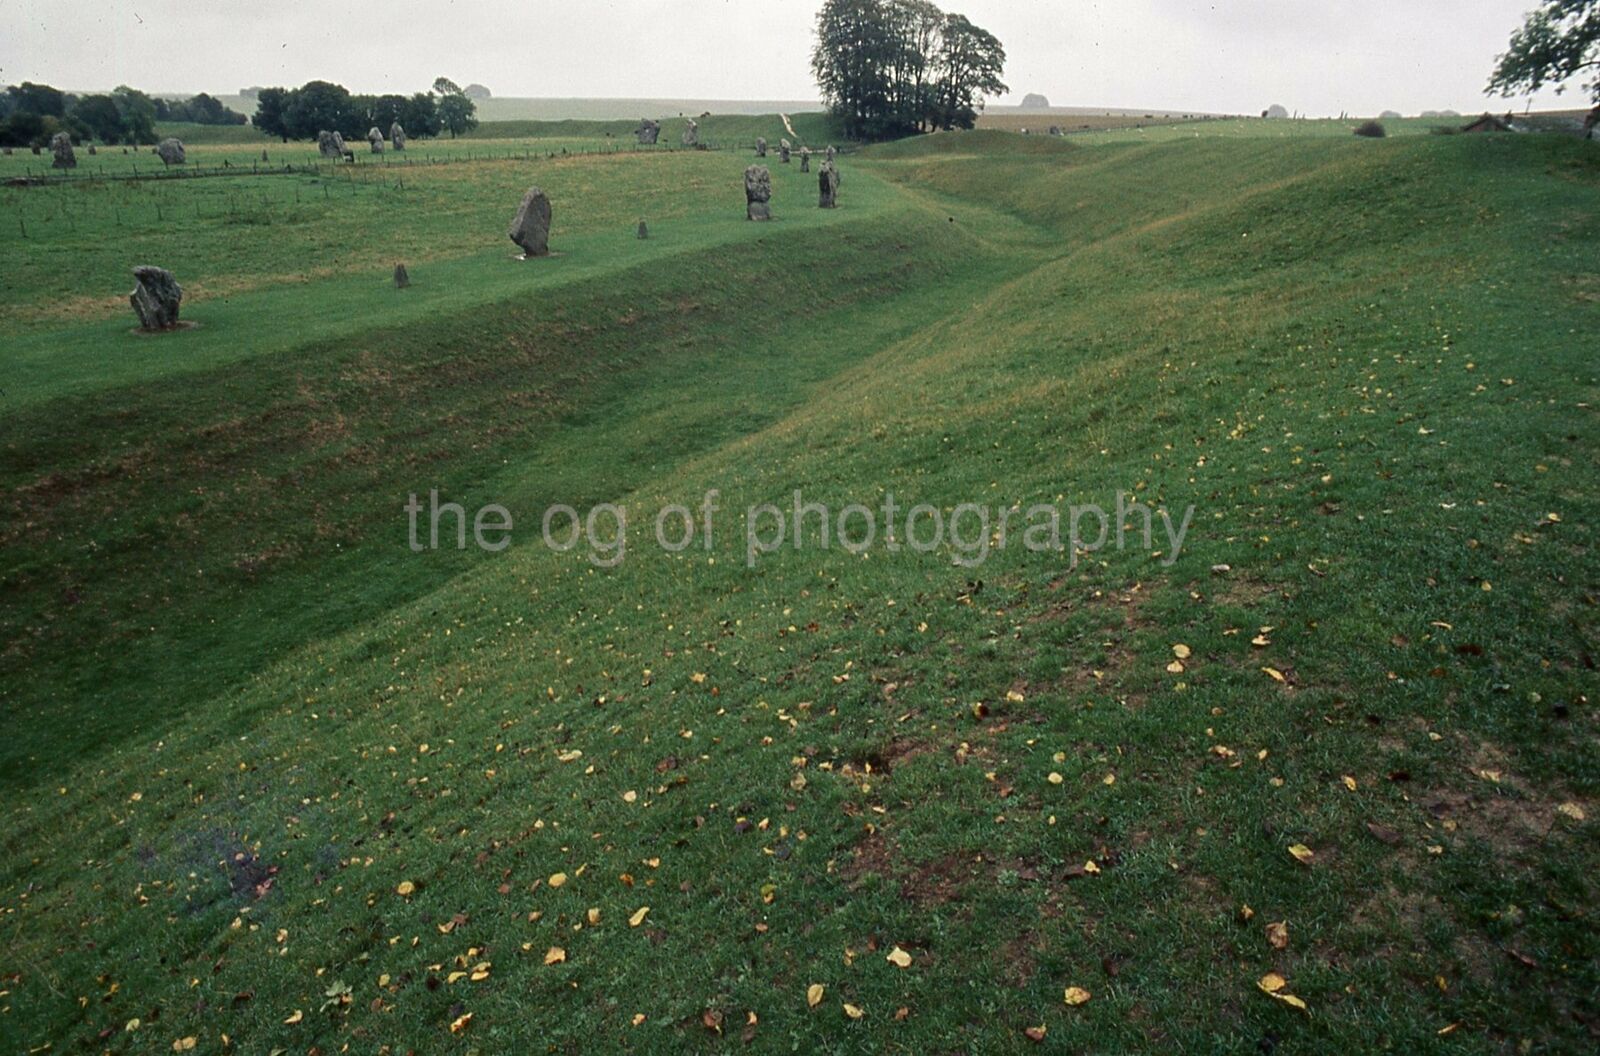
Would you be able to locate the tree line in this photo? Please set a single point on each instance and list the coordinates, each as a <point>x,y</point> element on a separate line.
<point>317,106</point>
<point>891,68</point>
<point>30,114</point>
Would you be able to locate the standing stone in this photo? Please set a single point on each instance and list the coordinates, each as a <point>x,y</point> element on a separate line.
<point>647,133</point>
<point>691,134</point>
<point>757,193</point>
<point>530,229</point>
<point>92,151</point>
<point>644,231</point>
<point>155,297</point>
<point>761,147</point>
<point>402,279</point>
<point>805,159</point>
<point>61,147</point>
<point>828,186</point>
<point>375,139</point>
<point>833,155</point>
<point>784,148</point>
<point>264,155</point>
<point>7,151</point>
<point>36,151</point>
<point>397,136</point>
<point>171,152</point>
<point>331,145</point>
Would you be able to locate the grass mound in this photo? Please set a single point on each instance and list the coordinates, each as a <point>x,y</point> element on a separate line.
<point>273,775</point>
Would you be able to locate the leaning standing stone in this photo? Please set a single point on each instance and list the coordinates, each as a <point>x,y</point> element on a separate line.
<point>61,147</point>
<point>530,229</point>
<point>758,193</point>
<point>330,144</point>
<point>375,139</point>
<point>155,297</point>
<point>171,152</point>
<point>397,136</point>
<point>691,134</point>
<point>827,186</point>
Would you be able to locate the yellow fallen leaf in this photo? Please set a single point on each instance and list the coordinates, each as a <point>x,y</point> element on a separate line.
<point>405,889</point>
<point>1181,651</point>
<point>1272,982</point>
<point>1302,853</point>
<point>594,916</point>
<point>630,796</point>
<point>853,1011</point>
<point>638,918</point>
<point>638,1018</point>
<point>1109,779</point>
<point>185,1044</point>
<point>460,1023</point>
<point>1571,810</point>
<point>1175,668</point>
<point>899,958</point>
<point>1055,778</point>
<point>555,955</point>
<point>557,879</point>
<point>1075,995</point>
<point>1274,674</point>
<point>1278,935</point>
<point>296,1016</point>
<point>814,994</point>
<point>1349,782</point>
<point>1013,696</point>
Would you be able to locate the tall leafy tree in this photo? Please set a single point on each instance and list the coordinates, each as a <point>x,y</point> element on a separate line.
<point>458,114</point>
<point>971,61</point>
<point>1559,41</point>
<point>99,114</point>
<point>272,118</point>
<point>318,106</point>
<point>138,114</point>
<point>895,67</point>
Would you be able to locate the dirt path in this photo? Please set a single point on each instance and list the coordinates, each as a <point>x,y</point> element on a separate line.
<point>787,125</point>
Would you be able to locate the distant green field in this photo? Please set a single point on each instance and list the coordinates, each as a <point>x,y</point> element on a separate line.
<point>278,782</point>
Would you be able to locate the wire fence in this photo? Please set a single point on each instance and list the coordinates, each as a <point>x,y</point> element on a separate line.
<point>362,164</point>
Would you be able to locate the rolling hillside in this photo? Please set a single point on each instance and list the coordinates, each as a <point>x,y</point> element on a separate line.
<point>275,780</point>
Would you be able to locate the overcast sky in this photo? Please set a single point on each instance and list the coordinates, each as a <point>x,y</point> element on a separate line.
<point>1360,56</point>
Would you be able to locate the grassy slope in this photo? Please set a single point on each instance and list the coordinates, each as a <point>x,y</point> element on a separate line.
<point>1362,361</point>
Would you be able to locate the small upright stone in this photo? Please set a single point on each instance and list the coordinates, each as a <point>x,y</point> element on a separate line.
<point>758,193</point>
<point>691,134</point>
<point>92,151</point>
<point>263,155</point>
<point>805,159</point>
<point>530,228</point>
<point>833,155</point>
<point>644,231</point>
<point>761,146</point>
<point>171,152</point>
<point>784,148</point>
<point>402,278</point>
<point>647,133</point>
<point>375,139</point>
<point>828,186</point>
<point>397,136</point>
<point>61,147</point>
<point>155,297</point>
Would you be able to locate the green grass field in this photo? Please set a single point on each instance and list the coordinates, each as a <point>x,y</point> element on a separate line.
<point>276,782</point>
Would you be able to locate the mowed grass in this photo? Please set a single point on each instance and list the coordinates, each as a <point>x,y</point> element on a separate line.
<point>243,714</point>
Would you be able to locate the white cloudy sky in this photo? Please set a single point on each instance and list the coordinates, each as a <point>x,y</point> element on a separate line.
<point>1322,57</point>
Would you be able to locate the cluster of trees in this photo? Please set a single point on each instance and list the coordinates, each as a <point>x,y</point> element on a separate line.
<point>32,113</point>
<point>301,113</point>
<point>890,68</point>
<point>1559,41</point>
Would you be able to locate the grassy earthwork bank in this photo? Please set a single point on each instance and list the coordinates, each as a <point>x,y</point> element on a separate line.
<point>275,781</point>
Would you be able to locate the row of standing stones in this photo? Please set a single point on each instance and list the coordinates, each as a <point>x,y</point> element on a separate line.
<point>157,295</point>
<point>169,150</point>
<point>331,144</point>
